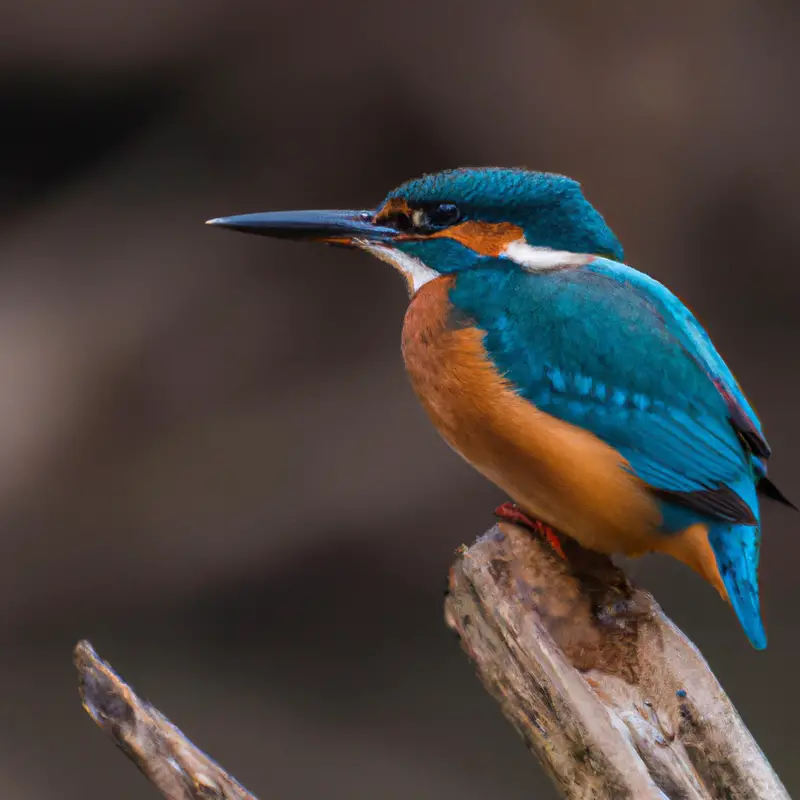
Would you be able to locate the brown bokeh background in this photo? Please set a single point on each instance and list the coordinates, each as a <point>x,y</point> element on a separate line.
<point>210,461</point>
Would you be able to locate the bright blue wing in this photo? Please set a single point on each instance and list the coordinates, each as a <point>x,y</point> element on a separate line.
<point>609,349</point>
<point>699,346</point>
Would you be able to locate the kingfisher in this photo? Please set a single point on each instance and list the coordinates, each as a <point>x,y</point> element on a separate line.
<point>583,388</point>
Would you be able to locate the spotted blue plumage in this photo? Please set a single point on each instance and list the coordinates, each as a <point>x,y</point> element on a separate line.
<point>611,350</point>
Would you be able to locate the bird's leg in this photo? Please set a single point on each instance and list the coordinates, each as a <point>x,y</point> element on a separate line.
<point>511,512</point>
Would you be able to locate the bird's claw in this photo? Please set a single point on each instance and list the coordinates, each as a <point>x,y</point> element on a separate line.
<point>510,512</point>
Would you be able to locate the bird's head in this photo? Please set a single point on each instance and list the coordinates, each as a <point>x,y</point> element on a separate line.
<point>454,220</point>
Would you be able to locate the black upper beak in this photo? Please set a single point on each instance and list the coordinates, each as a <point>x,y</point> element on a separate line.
<point>326,226</point>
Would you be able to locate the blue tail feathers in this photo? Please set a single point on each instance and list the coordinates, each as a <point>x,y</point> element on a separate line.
<point>736,548</point>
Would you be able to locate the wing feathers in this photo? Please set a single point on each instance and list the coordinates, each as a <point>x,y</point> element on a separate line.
<point>721,503</point>
<point>611,350</point>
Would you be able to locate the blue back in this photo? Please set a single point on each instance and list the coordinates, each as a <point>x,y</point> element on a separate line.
<point>601,347</point>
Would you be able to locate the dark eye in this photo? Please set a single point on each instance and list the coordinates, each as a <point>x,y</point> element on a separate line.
<point>443,214</point>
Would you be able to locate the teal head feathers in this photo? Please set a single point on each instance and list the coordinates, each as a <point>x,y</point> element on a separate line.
<point>480,208</point>
<point>450,221</point>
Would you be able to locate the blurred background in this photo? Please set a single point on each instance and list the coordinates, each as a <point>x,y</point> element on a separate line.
<point>211,464</point>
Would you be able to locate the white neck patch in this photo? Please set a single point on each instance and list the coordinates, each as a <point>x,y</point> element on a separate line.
<point>416,273</point>
<point>541,259</point>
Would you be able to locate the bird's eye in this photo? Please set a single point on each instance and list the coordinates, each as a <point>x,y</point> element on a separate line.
<point>443,214</point>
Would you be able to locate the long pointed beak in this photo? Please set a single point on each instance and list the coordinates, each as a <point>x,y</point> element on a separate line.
<point>335,227</point>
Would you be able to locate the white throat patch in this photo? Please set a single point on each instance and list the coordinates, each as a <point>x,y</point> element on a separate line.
<point>540,259</point>
<point>416,273</point>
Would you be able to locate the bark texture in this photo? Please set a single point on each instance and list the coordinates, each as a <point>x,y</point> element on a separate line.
<point>607,693</point>
<point>175,766</point>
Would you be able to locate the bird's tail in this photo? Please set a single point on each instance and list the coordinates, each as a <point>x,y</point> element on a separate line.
<point>736,548</point>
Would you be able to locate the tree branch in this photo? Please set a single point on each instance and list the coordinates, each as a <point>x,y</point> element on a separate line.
<point>608,694</point>
<point>178,769</point>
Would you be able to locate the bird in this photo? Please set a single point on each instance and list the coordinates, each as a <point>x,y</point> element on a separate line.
<point>580,386</point>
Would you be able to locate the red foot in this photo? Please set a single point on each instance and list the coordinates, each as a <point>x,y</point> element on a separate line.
<point>510,512</point>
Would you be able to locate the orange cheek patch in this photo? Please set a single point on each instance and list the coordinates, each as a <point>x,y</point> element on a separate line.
<point>394,206</point>
<point>486,238</point>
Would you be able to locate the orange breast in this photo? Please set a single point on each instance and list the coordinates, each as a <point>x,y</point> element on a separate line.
<point>557,472</point>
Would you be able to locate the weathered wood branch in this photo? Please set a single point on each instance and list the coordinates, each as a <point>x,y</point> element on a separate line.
<point>178,769</point>
<point>608,694</point>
